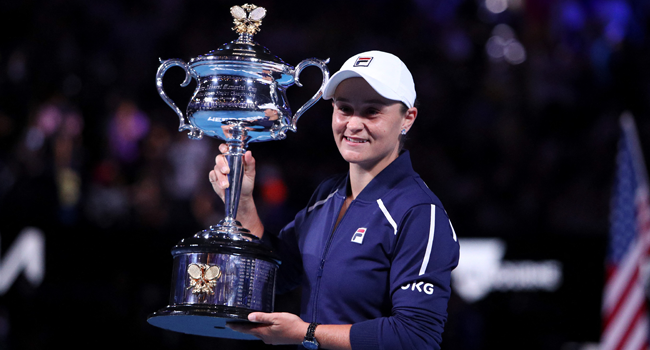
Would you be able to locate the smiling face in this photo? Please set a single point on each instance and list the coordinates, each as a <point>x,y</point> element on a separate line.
<point>367,126</point>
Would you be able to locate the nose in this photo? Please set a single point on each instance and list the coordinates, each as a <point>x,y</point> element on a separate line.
<point>355,123</point>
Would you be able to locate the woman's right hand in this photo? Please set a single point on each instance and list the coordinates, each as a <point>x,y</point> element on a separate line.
<point>246,212</point>
<point>219,175</point>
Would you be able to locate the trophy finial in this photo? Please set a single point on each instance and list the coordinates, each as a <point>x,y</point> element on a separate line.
<point>247,18</point>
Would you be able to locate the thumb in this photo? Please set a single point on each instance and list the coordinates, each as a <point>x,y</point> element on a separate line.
<point>249,164</point>
<point>260,317</point>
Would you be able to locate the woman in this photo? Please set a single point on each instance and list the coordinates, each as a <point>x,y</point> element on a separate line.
<point>373,249</point>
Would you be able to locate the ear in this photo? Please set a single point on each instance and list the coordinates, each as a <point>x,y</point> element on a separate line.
<point>409,118</point>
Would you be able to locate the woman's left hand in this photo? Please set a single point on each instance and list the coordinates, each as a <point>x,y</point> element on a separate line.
<point>274,328</point>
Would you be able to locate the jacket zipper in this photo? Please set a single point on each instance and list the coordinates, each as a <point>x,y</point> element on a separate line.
<point>322,260</point>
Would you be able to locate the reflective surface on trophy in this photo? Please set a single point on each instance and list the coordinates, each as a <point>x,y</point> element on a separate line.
<point>223,273</point>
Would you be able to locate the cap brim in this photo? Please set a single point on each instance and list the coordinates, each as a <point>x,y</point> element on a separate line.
<point>335,80</point>
<point>380,88</point>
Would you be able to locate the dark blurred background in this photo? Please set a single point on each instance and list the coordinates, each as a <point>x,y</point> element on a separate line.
<point>516,134</point>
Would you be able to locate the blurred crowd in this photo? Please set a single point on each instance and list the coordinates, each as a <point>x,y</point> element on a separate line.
<point>516,134</point>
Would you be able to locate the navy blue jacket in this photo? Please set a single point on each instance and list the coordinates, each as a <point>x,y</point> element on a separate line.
<point>385,269</point>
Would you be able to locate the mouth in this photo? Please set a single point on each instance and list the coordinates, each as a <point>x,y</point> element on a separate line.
<point>354,139</point>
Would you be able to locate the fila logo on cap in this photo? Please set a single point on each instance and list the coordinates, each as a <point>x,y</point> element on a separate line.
<point>363,62</point>
<point>357,237</point>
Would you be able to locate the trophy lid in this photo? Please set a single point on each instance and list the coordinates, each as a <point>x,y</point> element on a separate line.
<point>247,20</point>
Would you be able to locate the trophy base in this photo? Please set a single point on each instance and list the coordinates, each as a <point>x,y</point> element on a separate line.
<point>218,277</point>
<point>207,322</point>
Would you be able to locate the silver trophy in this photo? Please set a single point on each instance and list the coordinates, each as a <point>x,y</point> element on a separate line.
<point>223,273</point>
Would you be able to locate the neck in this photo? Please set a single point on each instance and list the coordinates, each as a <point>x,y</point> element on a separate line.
<point>360,176</point>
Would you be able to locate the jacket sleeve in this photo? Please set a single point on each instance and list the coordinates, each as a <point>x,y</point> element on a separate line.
<point>425,253</point>
<point>285,244</point>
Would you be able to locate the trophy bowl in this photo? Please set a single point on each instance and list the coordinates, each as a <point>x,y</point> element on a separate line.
<point>223,273</point>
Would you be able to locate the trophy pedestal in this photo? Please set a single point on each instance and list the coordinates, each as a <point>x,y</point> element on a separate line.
<point>218,279</point>
<point>208,322</point>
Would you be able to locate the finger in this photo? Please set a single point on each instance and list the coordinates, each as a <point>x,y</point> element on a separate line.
<point>221,170</point>
<point>214,181</point>
<point>217,178</point>
<point>261,317</point>
<point>212,176</point>
<point>249,164</point>
<point>221,164</point>
<point>223,148</point>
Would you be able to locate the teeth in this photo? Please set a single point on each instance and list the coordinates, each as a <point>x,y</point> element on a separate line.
<point>355,141</point>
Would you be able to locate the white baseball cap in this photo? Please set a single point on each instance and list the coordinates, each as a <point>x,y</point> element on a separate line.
<point>385,72</point>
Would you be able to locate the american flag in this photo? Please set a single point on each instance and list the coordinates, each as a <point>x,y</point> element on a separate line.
<point>624,309</point>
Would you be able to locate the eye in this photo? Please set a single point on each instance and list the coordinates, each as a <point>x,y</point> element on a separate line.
<point>372,111</point>
<point>345,109</point>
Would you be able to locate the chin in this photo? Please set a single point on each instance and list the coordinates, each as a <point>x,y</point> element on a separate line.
<point>356,159</point>
<point>350,155</point>
<point>350,159</point>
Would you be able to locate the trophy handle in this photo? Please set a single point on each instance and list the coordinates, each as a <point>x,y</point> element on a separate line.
<point>194,133</point>
<point>326,77</point>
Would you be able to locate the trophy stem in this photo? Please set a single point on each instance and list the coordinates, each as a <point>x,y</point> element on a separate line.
<point>229,227</point>
<point>234,156</point>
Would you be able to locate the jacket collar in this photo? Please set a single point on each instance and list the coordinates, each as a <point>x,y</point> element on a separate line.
<point>384,181</point>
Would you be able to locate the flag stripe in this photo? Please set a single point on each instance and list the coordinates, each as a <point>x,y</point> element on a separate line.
<point>624,309</point>
<point>614,333</point>
<point>620,278</point>
<point>622,298</point>
<point>638,335</point>
<point>630,316</point>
